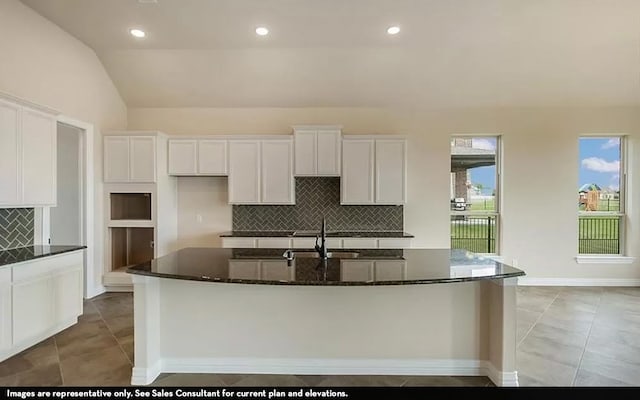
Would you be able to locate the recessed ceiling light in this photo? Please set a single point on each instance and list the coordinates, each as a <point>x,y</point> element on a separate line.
<point>262,31</point>
<point>393,30</point>
<point>137,33</point>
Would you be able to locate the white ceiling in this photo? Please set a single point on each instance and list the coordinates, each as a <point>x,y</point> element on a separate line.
<point>450,53</point>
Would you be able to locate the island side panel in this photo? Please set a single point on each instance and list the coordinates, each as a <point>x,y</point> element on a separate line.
<point>146,329</point>
<point>502,331</point>
<point>431,329</point>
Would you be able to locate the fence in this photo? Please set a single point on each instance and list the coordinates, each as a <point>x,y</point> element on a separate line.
<point>474,233</point>
<point>596,235</point>
<point>599,235</point>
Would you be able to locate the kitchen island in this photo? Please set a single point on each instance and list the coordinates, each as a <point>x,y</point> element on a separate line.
<point>361,311</point>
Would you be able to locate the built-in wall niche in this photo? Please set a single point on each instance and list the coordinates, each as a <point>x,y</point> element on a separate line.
<point>130,246</point>
<point>131,206</point>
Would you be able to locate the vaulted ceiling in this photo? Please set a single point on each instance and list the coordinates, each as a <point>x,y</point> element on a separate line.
<point>449,53</point>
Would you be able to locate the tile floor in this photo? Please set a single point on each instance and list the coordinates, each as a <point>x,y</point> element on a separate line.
<point>566,337</point>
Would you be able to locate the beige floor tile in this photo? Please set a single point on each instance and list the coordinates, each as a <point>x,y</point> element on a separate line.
<point>447,381</point>
<point>527,316</point>
<point>188,380</point>
<point>559,334</point>
<point>270,380</point>
<point>104,367</point>
<point>611,368</point>
<point>586,378</point>
<point>543,370</point>
<point>362,380</point>
<point>39,376</point>
<point>42,355</point>
<point>552,350</point>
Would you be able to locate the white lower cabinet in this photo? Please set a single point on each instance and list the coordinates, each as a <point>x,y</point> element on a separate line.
<point>270,270</point>
<point>356,270</point>
<point>242,269</point>
<point>238,243</point>
<point>274,243</point>
<point>390,270</point>
<point>309,243</point>
<point>360,243</point>
<point>38,299</point>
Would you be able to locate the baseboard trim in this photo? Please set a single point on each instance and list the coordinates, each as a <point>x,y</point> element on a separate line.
<point>446,367</point>
<point>501,378</point>
<point>146,376</point>
<point>526,281</point>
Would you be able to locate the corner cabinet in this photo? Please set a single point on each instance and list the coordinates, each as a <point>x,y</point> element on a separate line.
<point>130,158</point>
<point>27,156</point>
<point>317,150</point>
<point>261,172</point>
<point>374,171</point>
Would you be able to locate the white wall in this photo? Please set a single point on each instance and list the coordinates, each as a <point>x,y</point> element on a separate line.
<point>65,221</point>
<point>45,65</point>
<point>540,159</point>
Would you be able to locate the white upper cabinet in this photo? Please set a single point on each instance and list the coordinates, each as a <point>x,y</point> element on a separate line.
<point>244,172</point>
<point>183,157</point>
<point>130,158</point>
<point>357,172</point>
<point>317,150</point>
<point>9,151</point>
<point>212,157</point>
<point>194,157</point>
<point>261,172</point>
<point>374,171</point>
<point>278,185</point>
<point>391,171</point>
<point>27,156</point>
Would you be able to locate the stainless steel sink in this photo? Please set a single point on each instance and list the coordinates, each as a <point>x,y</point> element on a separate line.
<point>314,254</point>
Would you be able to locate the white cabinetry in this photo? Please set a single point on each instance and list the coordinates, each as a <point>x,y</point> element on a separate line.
<point>373,270</point>
<point>357,172</point>
<point>130,158</point>
<point>38,299</point>
<point>27,156</point>
<point>374,171</point>
<point>270,270</point>
<point>197,157</point>
<point>261,172</point>
<point>317,150</point>
<point>309,243</point>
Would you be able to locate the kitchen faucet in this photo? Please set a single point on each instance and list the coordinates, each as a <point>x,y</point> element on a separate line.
<point>322,248</point>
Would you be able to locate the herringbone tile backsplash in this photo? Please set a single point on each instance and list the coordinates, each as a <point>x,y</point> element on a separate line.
<point>316,197</point>
<point>16,227</point>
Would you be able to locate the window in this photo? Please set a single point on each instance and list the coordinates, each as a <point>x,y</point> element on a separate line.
<point>601,195</point>
<point>474,193</point>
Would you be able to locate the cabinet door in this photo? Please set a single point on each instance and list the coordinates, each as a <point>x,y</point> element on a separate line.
<point>5,309</point>
<point>244,172</point>
<point>183,157</point>
<point>212,157</point>
<point>391,171</point>
<point>32,309</point>
<point>328,154</point>
<point>276,271</point>
<point>9,150</point>
<point>142,159</point>
<point>356,271</point>
<point>357,172</point>
<point>391,270</point>
<point>244,269</point>
<point>116,159</point>
<point>67,294</point>
<point>305,154</point>
<point>38,158</point>
<point>277,172</point>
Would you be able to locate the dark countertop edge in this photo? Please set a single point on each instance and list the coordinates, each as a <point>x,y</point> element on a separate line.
<point>325,283</point>
<point>289,234</point>
<point>35,257</point>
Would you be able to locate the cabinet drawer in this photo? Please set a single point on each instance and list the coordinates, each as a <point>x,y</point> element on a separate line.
<point>247,243</point>
<point>274,243</point>
<point>45,266</point>
<point>394,243</point>
<point>356,271</point>
<point>304,243</point>
<point>5,276</point>
<point>359,243</point>
<point>334,243</point>
<point>244,269</point>
<point>392,270</point>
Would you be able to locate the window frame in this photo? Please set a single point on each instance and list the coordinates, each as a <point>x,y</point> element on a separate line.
<point>622,211</point>
<point>498,189</point>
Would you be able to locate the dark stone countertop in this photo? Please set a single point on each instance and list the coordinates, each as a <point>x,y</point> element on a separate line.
<point>29,253</point>
<point>398,267</point>
<point>312,233</point>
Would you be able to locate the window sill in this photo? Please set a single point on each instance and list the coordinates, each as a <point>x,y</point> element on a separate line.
<point>604,259</point>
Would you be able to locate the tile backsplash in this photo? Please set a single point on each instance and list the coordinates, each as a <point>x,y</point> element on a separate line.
<point>16,227</point>
<point>316,197</point>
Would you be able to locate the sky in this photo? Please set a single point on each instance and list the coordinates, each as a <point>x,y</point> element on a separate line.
<point>599,163</point>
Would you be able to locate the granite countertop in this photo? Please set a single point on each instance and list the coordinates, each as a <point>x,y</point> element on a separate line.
<point>29,253</point>
<point>403,267</point>
<point>313,233</point>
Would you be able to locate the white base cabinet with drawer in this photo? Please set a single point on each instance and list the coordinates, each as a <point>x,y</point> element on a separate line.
<point>38,299</point>
<point>309,243</point>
